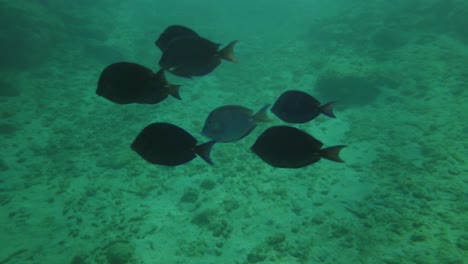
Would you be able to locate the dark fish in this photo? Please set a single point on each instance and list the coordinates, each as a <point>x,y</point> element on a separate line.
<point>126,83</point>
<point>289,147</point>
<point>172,33</point>
<point>299,107</point>
<point>188,57</point>
<point>232,122</point>
<point>169,145</point>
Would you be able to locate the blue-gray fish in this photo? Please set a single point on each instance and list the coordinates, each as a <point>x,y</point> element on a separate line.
<point>232,122</point>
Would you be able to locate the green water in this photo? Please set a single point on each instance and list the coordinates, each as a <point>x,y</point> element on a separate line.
<point>73,191</point>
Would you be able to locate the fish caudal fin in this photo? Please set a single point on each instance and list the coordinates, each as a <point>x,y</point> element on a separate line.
<point>173,90</point>
<point>261,115</point>
<point>204,150</point>
<point>332,153</point>
<point>327,109</point>
<point>160,77</point>
<point>227,53</point>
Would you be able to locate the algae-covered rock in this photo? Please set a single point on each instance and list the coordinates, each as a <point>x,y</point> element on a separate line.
<point>119,253</point>
<point>220,228</point>
<point>257,254</point>
<point>276,239</point>
<point>190,195</point>
<point>78,259</point>
<point>208,184</point>
<point>418,237</point>
<point>462,242</point>
<point>204,217</point>
<point>194,248</point>
<point>230,205</point>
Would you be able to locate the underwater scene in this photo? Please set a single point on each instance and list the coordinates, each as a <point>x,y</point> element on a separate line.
<point>234,132</point>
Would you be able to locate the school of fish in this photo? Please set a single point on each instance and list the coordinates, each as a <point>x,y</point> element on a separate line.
<point>187,54</point>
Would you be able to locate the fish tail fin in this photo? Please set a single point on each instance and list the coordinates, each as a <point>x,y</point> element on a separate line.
<point>204,150</point>
<point>327,109</point>
<point>160,77</point>
<point>332,153</point>
<point>261,115</point>
<point>227,53</point>
<point>172,89</point>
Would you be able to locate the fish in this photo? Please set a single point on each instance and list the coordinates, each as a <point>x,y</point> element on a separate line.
<point>197,56</point>
<point>172,33</point>
<point>296,107</point>
<point>290,147</point>
<point>232,122</point>
<point>169,145</point>
<point>127,82</point>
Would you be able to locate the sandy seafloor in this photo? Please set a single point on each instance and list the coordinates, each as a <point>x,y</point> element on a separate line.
<point>71,186</point>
